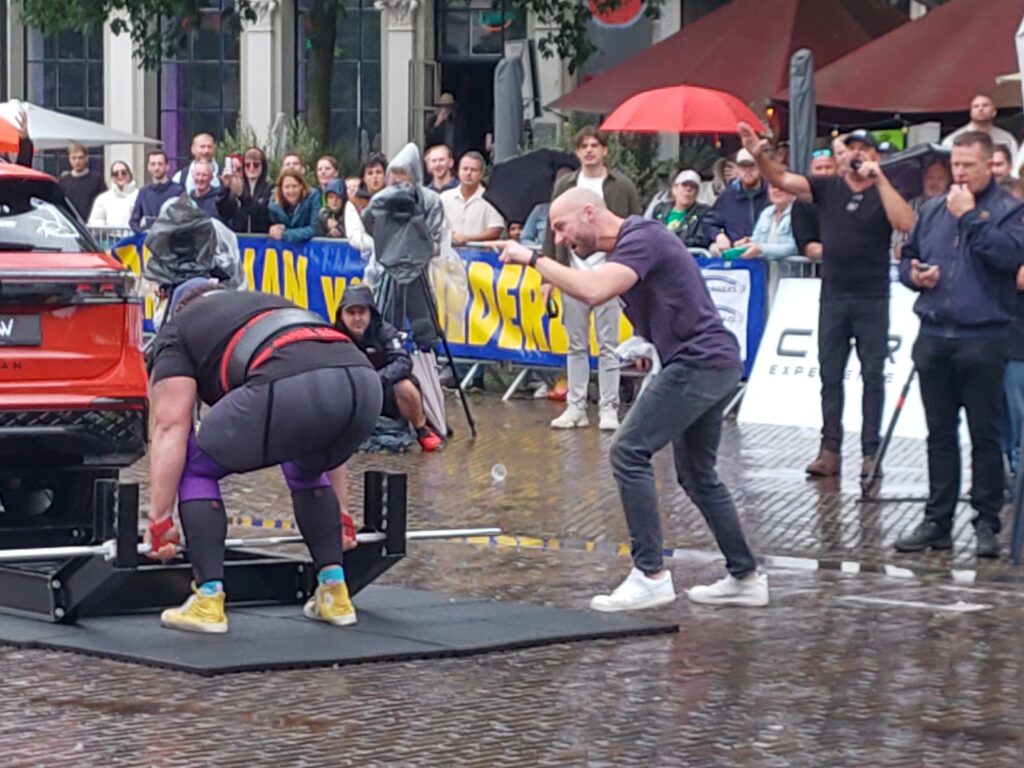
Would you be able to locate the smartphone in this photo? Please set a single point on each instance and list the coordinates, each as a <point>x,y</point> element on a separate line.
<point>923,267</point>
<point>552,307</point>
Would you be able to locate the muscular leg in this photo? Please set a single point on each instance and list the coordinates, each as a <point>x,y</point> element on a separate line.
<point>317,514</point>
<point>410,403</point>
<point>202,513</point>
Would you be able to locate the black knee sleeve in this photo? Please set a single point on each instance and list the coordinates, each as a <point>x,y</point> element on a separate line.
<point>318,515</point>
<point>206,527</point>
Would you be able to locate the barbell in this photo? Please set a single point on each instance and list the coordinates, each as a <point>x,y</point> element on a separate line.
<point>108,549</point>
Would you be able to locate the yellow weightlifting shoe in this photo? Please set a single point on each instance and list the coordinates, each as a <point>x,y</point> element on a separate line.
<point>331,603</point>
<point>200,613</point>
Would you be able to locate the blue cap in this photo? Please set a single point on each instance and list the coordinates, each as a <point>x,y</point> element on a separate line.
<point>184,290</point>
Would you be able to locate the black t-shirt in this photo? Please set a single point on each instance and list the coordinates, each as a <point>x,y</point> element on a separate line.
<point>855,238</point>
<point>804,221</point>
<point>192,344</point>
<point>82,191</point>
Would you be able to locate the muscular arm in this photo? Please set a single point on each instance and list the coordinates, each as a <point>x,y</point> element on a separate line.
<point>491,233</point>
<point>173,401</point>
<point>793,183</point>
<point>603,284</point>
<point>897,210</point>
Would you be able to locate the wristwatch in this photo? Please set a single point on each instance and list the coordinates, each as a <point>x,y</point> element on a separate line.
<point>533,259</point>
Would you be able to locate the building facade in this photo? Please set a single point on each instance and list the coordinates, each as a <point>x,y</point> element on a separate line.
<point>389,60</point>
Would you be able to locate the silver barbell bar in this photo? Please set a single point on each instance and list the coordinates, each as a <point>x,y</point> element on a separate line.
<point>108,549</point>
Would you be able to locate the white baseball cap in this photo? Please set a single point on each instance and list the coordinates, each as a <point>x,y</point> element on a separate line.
<point>687,177</point>
<point>745,158</point>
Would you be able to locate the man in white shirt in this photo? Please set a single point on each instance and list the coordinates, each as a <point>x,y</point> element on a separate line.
<point>621,198</point>
<point>472,219</point>
<point>983,115</point>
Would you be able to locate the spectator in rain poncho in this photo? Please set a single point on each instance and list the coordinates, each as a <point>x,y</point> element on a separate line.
<point>406,221</point>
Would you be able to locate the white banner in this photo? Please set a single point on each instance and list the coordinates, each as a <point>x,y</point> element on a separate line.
<point>785,386</point>
<point>730,290</point>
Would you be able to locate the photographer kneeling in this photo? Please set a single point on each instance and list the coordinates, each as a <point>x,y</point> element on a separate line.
<point>380,341</point>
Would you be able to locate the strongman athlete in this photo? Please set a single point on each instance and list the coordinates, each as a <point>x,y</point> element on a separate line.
<point>285,388</point>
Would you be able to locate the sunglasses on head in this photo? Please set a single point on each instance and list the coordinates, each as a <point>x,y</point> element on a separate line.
<point>821,153</point>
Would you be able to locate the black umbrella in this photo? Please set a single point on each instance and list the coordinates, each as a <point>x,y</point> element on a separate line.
<point>518,184</point>
<point>905,170</point>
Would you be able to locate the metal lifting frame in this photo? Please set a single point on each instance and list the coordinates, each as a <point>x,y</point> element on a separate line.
<point>62,589</point>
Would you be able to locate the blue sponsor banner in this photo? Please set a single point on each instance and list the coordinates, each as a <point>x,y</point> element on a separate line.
<point>500,318</point>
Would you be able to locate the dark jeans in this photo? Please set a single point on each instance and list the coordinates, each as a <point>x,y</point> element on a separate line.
<point>682,405</point>
<point>866,321</point>
<point>968,374</point>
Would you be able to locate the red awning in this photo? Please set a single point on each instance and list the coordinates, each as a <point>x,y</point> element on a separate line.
<point>743,48</point>
<point>934,64</point>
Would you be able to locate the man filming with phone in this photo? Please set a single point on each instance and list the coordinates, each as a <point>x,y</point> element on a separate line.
<point>963,257</point>
<point>857,213</point>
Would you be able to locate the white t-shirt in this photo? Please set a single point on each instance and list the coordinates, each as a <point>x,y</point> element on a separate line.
<point>597,258</point>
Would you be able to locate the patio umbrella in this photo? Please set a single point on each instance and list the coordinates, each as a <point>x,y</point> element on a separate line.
<point>681,109</point>
<point>50,129</point>
<point>803,122</point>
<point>516,185</point>
<point>508,108</point>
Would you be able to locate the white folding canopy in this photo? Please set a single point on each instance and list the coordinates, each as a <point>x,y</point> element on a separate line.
<point>49,129</point>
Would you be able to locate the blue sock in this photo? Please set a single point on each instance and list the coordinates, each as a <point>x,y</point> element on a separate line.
<point>211,588</point>
<point>331,574</point>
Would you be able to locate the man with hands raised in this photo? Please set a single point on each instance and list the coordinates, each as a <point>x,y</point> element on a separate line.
<point>857,213</point>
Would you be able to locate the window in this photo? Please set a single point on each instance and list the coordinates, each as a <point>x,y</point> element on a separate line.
<point>33,218</point>
<point>65,72</point>
<point>355,78</point>
<point>200,88</point>
<point>475,28</point>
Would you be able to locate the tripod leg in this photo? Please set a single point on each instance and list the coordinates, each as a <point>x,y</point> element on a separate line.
<point>447,350</point>
<point>869,482</point>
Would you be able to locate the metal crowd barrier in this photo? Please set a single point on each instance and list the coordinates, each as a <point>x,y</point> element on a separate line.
<point>108,237</point>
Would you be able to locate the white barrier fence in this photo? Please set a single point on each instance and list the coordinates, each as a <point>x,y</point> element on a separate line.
<point>785,385</point>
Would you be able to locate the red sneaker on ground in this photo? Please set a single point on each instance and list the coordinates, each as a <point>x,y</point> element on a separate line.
<point>429,440</point>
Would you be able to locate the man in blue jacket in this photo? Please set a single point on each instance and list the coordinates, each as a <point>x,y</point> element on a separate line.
<point>963,258</point>
<point>740,203</point>
<point>152,196</point>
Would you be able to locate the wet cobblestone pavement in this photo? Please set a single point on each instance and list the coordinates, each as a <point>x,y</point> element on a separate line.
<point>844,669</point>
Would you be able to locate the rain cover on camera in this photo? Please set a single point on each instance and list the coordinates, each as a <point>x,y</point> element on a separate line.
<point>182,244</point>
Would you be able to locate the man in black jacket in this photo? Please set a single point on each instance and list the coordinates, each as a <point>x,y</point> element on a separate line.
<point>963,257</point>
<point>380,341</point>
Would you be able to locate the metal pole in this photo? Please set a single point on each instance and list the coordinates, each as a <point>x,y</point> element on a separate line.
<point>107,549</point>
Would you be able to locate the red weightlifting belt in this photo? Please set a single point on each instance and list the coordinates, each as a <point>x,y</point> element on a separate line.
<point>256,341</point>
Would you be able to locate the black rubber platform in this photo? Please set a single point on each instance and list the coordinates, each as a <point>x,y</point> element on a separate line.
<point>394,623</point>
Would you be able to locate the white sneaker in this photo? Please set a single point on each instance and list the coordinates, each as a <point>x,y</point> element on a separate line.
<point>637,592</point>
<point>570,418</point>
<point>541,392</point>
<point>751,591</point>
<point>609,419</point>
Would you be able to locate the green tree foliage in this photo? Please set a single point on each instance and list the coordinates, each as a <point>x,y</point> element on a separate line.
<point>152,42</point>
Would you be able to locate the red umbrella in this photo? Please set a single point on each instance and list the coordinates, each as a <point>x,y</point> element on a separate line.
<point>681,109</point>
<point>8,137</point>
